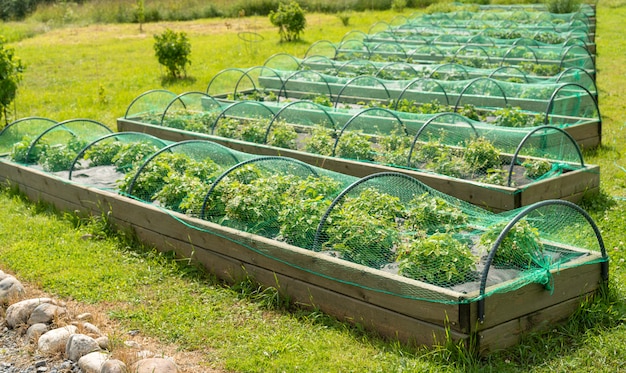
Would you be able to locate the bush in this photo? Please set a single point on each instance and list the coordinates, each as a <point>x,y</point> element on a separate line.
<point>172,50</point>
<point>11,69</point>
<point>563,6</point>
<point>290,20</point>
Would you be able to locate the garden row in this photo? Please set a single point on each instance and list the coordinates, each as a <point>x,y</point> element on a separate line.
<point>410,260</point>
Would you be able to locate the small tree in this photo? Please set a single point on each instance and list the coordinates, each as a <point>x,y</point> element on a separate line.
<point>11,69</point>
<point>140,14</point>
<point>172,50</point>
<point>290,20</point>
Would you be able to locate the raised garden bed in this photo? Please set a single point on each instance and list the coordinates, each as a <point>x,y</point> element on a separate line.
<point>489,313</point>
<point>570,185</point>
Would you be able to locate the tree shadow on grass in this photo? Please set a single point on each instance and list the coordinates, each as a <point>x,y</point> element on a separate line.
<point>168,80</point>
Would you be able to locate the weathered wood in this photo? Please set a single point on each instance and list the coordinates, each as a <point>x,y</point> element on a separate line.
<point>567,283</point>
<point>510,333</point>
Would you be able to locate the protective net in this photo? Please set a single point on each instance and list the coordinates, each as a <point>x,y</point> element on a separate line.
<point>444,250</point>
<point>48,144</point>
<point>402,71</point>
<point>512,150</point>
<point>488,56</point>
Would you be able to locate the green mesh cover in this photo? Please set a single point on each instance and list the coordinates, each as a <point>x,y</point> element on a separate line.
<point>513,149</point>
<point>388,222</point>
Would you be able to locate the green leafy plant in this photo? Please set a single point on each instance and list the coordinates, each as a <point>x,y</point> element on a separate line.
<point>535,168</point>
<point>355,145</point>
<point>172,51</point>
<point>439,259</point>
<point>102,153</point>
<point>480,155</point>
<point>563,6</point>
<point>515,117</point>
<point>228,127</point>
<point>282,135</point>
<point>130,154</point>
<point>431,214</point>
<point>11,70</point>
<point>394,148</point>
<point>290,20</point>
<point>254,130</point>
<point>520,248</point>
<point>57,158</point>
<point>495,176</point>
<point>363,228</point>
<point>320,141</point>
<point>19,152</point>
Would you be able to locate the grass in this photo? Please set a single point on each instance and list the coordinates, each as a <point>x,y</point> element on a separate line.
<point>94,71</point>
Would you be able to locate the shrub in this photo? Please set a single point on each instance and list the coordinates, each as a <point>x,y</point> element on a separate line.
<point>172,50</point>
<point>290,20</point>
<point>398,5</point>
<point>481,155</point>
<point>11,69</point>
<point>563,6</point>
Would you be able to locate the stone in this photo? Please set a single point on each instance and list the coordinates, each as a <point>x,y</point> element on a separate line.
<point>10,289</point>
<point>132,344</point>
<point>19,313</point>
<point>93,362</point>
<point>35,331</point>
<point>114,366</point>
<point>92,329</point>
<point>79,345</point>
<point>45,313</point>
<point>103,342</point>
<point>54,341</point>
<point>85,317</point>
<point>155,365</point>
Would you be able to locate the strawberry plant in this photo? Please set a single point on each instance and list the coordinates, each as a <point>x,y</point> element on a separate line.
<point>228,127</point>
<point>102,154</point>
<point>431,214</point>
<point>535,168</point>
<point>131,154</point>
<point>282,135</point>
<point>393,149</point>
<point>355,145</point>
<point>61,157</point>
<point>253,130</point>
<point>439,259</point>
<point>480,155</point>
<point>321,141</point>
<point>514,117</point>
<point>521,248</point>
<point>363,228</point>
<point>19,152</point>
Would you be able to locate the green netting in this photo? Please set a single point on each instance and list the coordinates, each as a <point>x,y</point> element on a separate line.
<point>560,103</point>
<point>22,129</point>
<point>513,150</point>
<point>105,161</point>
<point>529,73</point>
<point>444,250</point>
<point>55,146</point>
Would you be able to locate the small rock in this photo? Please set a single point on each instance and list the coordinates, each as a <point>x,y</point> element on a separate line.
<point>85,317</point>
<point>55,340</point>
<point>103,342</point>
<point>92,329</point>
<point>114,366</point>
<point>132,344</point>
<point>154,365</point>
<point>93,362</point>
<point>40,363</point>
<point>144,354</point>
<point>45,313</point>
<point>79,345</point>
<point>19,313</point>
<point>10,289</point>
<point>35,331</point>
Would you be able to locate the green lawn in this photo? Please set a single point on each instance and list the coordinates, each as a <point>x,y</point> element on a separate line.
<point>96,71</point>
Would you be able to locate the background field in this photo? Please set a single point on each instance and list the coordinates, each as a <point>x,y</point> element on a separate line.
<point>93,70</point>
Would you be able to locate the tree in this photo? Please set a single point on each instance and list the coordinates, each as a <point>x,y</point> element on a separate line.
<point>172,50</point>
<point>11,69</point>
<point>290,20</point>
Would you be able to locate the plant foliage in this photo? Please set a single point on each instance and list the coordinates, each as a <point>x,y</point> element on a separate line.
<point>172,50</point>
<point>290,20</point>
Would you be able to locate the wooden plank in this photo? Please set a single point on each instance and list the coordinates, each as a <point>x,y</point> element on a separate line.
<point>510,333</point>
<point>565,185</point>
<point>568,283</point>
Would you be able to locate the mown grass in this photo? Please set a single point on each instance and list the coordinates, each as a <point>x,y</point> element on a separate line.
<point>95,71</point>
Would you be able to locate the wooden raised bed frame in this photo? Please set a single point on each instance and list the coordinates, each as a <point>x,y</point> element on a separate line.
<point>232,255</point>
<point>569,186</point>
